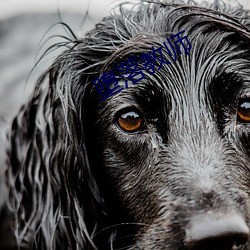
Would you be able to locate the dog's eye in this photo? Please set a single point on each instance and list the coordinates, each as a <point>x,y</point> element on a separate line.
<point>243,113</point>
<point>130,121</point>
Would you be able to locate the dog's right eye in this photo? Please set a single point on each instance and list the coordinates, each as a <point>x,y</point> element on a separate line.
<point>243,113</point>
<point>130,121</point>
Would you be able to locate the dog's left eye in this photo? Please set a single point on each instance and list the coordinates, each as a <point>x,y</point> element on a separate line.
<point>243,113</point>
<point>130,121</point>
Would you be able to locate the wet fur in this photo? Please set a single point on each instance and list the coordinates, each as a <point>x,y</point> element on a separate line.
<point>78,182</point>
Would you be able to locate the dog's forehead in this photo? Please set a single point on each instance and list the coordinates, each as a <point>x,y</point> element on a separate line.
<point>216,67</point>
<point>214,54</point>
<point>196,74</point>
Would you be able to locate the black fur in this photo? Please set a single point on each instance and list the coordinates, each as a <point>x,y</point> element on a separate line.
<point>77,181</point>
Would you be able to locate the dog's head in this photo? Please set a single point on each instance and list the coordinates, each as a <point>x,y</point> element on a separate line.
<point>162,164</point>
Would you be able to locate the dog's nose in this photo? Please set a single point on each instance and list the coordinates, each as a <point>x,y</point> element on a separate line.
<point>217,232</point>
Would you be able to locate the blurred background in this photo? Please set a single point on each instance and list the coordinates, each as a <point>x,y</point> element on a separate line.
<point>25,26</point>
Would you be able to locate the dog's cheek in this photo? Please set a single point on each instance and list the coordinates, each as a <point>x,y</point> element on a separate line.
<point>131,171</point>
<point>242,141</point>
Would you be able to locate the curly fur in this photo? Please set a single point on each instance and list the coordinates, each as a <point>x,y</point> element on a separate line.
<point>76,182</point>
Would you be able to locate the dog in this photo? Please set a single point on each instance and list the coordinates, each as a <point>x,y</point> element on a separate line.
<point>163,164</point>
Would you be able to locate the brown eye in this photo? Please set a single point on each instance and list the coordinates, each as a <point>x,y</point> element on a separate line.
<point>243,112</point>
<point>130,121</point>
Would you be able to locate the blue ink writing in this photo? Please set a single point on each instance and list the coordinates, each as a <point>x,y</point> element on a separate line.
<point>108,85</point>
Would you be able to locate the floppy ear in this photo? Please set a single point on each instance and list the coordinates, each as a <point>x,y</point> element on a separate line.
<point>53,195</point>
<point>51,186</point>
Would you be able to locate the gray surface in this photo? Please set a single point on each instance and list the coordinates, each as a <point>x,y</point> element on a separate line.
<point>19,40</point>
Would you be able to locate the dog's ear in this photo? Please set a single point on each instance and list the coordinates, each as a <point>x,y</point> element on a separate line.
<point>51,186</point>
<point>53,195</point>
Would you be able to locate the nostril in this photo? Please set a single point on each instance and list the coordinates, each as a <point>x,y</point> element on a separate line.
<point>241,241</point>
<point>223,242</point>
<point>217,232</point>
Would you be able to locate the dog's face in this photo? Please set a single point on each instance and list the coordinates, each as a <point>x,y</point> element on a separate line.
<point>175,146</point>
<point>163,164</point>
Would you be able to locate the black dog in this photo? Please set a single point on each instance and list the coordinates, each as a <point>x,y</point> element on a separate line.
<point>163,164</point>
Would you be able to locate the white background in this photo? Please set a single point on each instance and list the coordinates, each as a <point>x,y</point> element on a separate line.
<point>96,7</point>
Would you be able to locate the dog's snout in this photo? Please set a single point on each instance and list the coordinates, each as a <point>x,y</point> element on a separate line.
<point>217,232</point>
